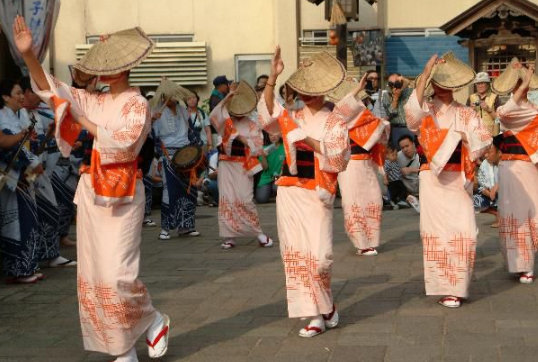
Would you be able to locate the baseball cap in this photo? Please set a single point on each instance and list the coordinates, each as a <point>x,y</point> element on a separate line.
<point>221,79</point>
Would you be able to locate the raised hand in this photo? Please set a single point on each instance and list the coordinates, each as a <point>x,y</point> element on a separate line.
<point>527,77</point>
<point>277,65</point>
<point>429,66</point>
<point>22,35</point>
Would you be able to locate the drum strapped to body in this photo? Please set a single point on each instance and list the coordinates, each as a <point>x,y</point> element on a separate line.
<point>189,161</point>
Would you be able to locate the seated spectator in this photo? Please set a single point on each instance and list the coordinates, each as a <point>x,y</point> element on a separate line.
<point>393,178</point>
<point>271,162</point>
<point>485,199</point>
<point>409,161</point>
<point>210,183</point>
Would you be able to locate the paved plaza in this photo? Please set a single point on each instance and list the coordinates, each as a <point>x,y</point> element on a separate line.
<point>230,306</point>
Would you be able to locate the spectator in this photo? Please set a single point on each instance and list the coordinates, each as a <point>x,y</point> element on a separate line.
<point>485,200</point>
<point>210,182</point>
<point>200,122</point>
<point>261,81</point>
<point>393,178</point>
<point>485,102</point>
<point>372,85</point>
<point>409,162</point>
<point>271,161</point>
<point>222,87</point>
<point>393,106</point>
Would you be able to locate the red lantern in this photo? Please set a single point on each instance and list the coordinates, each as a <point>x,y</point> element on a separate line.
<point>333,37</point>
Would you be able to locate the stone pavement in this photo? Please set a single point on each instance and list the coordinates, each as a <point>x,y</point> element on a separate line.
<point>230,305</point>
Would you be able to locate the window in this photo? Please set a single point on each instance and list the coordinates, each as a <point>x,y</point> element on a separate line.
<point>164,38</point>
<point>250,67</point>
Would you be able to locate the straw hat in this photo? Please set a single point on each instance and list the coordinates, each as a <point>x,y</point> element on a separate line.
<point>507,81</point>
<point>346,87</point>
<point>451,74</point>
<point>318,75</point>
<point>116,53</point>
<point>169,90</point>
<point>244,101</point>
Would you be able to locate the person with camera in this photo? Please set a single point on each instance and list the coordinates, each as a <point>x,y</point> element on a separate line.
<point>485,102</point>
<point>393,103</point>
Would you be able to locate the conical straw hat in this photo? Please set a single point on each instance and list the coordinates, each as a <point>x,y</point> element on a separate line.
<point>452,73</point>
<point>318,75</point>
<point>116,53</point>
<point>244,101</point>
<point>346,87</point>
<point>507,81</point>
<point>169,90</point>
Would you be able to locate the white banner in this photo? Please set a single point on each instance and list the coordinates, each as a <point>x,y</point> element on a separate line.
<point>40,16</point>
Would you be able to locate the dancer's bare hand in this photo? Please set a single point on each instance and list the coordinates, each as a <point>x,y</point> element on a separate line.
<point>277,65</point>
<point>22,36</point>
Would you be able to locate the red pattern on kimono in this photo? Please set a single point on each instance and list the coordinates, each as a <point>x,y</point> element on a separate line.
<point>303,274</point>
<point>106,311</point>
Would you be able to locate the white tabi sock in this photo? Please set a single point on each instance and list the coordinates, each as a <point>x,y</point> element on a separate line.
<point>129,356</point>
<point>57,261</point>
<point>156,327</point>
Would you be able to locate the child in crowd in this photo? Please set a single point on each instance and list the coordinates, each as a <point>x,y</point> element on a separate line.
<point>392,178</point>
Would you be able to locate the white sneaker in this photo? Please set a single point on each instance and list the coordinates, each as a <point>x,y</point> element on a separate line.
<point>394,206</point>
<point>413,201</point>
<point>164,235</point>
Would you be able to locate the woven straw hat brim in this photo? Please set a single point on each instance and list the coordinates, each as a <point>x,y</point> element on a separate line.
<point>318,75</point>
<point>346,87</point>
<point>453,73</point>
<point>116,53</point>
<point>170,90</point>
<point>507,80</point>
<point>244,101</point>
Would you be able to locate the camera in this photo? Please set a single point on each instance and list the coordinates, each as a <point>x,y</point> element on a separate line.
<point>398,84</point>
<point>477,103</point>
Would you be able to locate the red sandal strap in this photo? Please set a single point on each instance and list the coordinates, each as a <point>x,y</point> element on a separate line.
<point>163,333</point>
<point>329,316</point>
<point>313,328</point>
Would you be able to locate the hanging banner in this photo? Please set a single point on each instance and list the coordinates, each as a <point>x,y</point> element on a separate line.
<point>40,16</point>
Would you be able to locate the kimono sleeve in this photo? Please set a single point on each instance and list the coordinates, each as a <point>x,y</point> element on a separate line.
<point>335,150</point>
<point>124,144</point>
<point>478,138</point>
<point>414,113</point>
<point>267,121</point>
<point>513,116</point>
<point>69,104</point>
<point>218,117</point>
<point>348,108</point>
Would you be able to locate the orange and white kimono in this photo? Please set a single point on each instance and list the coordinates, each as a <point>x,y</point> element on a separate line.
<point>359,186</point>
<point>304,202</point>
<point>447,220</point>
<point>238,163</point>
<point>114,305</point>
<point>518,185</point>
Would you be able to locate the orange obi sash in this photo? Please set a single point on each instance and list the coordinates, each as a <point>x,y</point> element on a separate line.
<point>366,133</point>
<point>324,182</point>
<point>437,146</point>
<point>528,139</point>
<point>512,148</point>
<point>234,151</point>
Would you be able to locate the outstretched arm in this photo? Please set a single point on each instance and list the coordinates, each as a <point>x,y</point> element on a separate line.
<point>23,42</point>
<point>277,67</point>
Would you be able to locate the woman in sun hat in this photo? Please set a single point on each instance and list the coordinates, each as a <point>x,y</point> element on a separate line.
<point>518,175</point>
<point>452,137</point>
<point>115,306</point>
<point>359,186</point>
<point>316,145</point>
<point>242,143</point>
